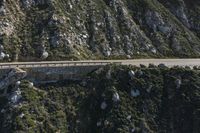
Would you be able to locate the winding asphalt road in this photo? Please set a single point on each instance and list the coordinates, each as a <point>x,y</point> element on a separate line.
<point>137,62</point>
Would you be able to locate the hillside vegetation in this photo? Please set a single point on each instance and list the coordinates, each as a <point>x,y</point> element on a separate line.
<point>118,99</point>
<point>96,29</point>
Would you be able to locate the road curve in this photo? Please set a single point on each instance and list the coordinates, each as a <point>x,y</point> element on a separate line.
<point>137,62</point>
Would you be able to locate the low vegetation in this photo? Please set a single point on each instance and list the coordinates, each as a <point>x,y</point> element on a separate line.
<point>119,99</point>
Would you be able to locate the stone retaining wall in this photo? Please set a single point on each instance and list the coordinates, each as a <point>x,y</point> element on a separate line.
<point>42,74</point>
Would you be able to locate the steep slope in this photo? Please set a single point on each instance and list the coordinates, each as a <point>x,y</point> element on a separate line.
<point>186,11</point>
<point>85,29</point>
<point>117,99</point>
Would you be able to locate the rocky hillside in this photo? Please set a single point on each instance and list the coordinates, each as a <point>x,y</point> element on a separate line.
<point>116,99</point>
<point>93,29</point>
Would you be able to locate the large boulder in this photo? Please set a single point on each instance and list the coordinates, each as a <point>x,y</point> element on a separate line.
<point>131,73</point>
<point>12,77</point>
<point>135,93</point>
<point>116,97</point>
<point>45,55</point>
<point>103,105</point>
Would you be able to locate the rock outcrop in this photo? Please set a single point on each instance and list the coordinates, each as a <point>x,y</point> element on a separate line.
<point>156,100</point>
<point>12,77</point>
<point>85,29</point>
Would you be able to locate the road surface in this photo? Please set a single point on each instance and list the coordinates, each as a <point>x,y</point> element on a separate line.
<point>137,62</point>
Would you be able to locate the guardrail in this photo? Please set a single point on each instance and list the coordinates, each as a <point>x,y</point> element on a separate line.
<point>53,64</point>
<point>167,62</point>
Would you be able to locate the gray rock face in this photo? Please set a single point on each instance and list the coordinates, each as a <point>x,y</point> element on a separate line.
<point>185,11</point>
<point>55,41</point>
<point>29,3</point>
<point>108,74</point>
<point>103,105</point>
<point>180,13</point>
<point>83,29</point>
<point>2,11</point>
<point>131,74</point>
<point>12,77</point>
<point>135,93</point>
<point>156,22</point>
<point>45,55</point>
<point>178,83</point>
<point>6,28</point>
<point>2,55</point>
<point>176,44</point>
<point>16,96</point>
<point>116,97</point>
